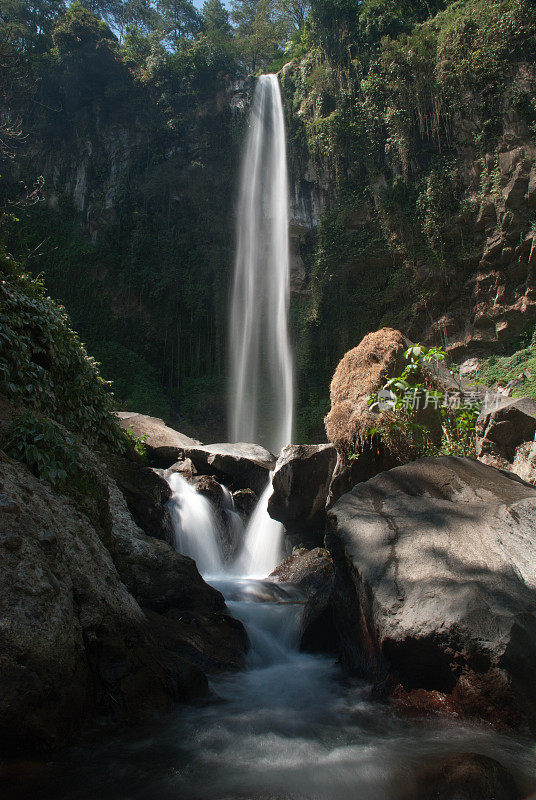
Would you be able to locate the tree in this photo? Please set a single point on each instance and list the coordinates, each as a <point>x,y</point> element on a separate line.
<point>216,17</point>
<point>261,30</point>
<point>30,22</point>
<point>109,10</point>
<point>180,20</point>
<point>295,11</point>
<point>88,63</point>
<point>138,13</point>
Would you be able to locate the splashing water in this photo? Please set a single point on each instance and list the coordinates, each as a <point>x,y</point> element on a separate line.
<point>261,552</point>
<point>290,727</point>
<point>262,396</point>
<point>194,525</point>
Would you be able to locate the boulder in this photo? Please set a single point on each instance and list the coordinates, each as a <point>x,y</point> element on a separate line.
<point>74,643</point>
<point>245,502</point>
<point>164,444</point>
<point>212,490</point>
<point>311,572</point>
<point>301,482</point>
<point>241,466</point>
<point>184,468</point>
<point>465,776</point>
<point>505,436</point>
<point>147,493</point>
<point>189,615</point>
<point>307,570</point>
<point>363,371</point>
<point>435,586</point>
<point>229,521</point>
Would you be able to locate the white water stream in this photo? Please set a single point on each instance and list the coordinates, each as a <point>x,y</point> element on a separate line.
<point>194,525</point>
<point>290,727</point>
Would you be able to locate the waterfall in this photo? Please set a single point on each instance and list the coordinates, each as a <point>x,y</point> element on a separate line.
<point>194,525</point>
<point>262,392</point>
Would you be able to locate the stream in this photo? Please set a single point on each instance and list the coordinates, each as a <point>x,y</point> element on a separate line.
<point>291,726</point>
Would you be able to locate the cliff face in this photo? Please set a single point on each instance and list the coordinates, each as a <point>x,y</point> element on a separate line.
<point>487,298</point>
<point>133,228</point>
<point>413,187</point>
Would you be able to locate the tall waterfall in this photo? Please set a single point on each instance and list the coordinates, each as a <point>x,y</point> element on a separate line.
<point>262,391</point>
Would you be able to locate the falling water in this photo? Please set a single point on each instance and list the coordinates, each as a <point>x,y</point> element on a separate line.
<point>261,552</point>
<point>194,525</point>
<point>262,396</point>
<point>262,393</point>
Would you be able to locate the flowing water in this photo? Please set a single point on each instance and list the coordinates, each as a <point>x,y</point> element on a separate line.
<point>291,727</point>
<point>194,525</point>
<point>262,395</point>
<point>262,391</point>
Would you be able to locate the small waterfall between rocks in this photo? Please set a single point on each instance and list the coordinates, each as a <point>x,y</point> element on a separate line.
<point>194,525</point>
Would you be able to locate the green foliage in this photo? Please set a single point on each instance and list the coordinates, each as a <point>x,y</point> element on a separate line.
<point>88,66</point>
<point>375,103</point>
<point>136,443</point>
<point>45,448</point>
<point>216,17</point>
<point>30,22</point>
<point>519,359</point>
<point>260,30</point>
<point>44,365</point>
<point>417,418</point>
<point>179,20</point>
<point>310,418</point>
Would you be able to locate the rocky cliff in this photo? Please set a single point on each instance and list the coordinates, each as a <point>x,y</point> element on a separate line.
<point>100,622</point>
<point>412,161</point>
<point>132,223</point>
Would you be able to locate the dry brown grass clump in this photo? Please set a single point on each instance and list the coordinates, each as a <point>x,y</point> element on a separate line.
<point>362,372</point>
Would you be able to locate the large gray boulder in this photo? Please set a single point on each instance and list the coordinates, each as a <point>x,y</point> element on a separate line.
<point>505,436</point>
<point>74,642</point>
<point>147,494</point>
<point>164,444</point>
<point>435,586</point>
<point>242,466</point>
<point>301,482</point>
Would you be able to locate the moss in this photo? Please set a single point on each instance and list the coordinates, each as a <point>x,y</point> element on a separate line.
<point>504,368</point>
